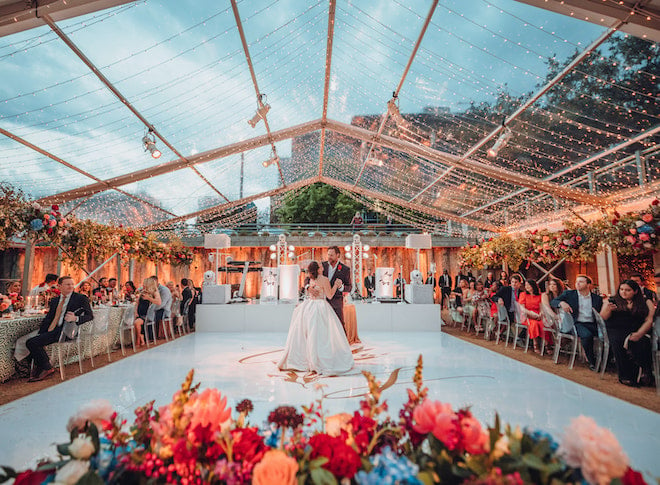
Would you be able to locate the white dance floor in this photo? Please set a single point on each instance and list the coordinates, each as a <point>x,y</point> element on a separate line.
<point>242,365</point>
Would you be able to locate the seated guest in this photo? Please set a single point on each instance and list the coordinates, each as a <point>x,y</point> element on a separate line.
<point>460,294</point>
<point>85,289</point>
<point>101,292</point>
<point>530,301</point>
<point>14,293</point>
<point>553,289</point>
<point>481,303</point>
<point>147,295</point>
<point>67,307</point>
<point>504,278</point>
<point>629,318</point>
<point>509,295</point>
<point>648,294</point>
<point>112,289</point>
<point>164,308</point>
<point>580,303</point>
<point>176,302</point>
<point>48,283</point>
<point>490,277</point>
<point>129,291</point>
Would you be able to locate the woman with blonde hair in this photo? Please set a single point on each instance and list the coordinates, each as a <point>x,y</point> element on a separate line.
<point>148,295</point>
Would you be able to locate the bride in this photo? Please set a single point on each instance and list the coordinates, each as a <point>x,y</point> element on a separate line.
<point>316,340</point>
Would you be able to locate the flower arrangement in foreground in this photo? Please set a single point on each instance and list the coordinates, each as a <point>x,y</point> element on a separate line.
<point>197,439</point>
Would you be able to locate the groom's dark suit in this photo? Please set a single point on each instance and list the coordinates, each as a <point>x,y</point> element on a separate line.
<point>342,273</point>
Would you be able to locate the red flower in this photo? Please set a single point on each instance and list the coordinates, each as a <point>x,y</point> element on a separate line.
<point>363,430</point>
<point>631,477</point>
<point>343,461</point>
<point>55,207</point>
<point>130,234</point>
<point>29,477</point>
<point>655,202</point>
<point>248,446</point>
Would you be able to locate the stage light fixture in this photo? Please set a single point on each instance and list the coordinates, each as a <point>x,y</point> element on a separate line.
<point>273,159</point>
<point>272,247</point>
<point>347,248</point>
<point>149,144</point>
<point>501,142</point>
<point>262,110</point>
<point>394,112</point>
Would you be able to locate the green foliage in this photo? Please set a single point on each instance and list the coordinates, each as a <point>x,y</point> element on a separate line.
<point>318,203</point>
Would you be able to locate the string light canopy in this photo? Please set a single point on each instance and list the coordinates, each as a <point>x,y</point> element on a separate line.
<point>400,107</point>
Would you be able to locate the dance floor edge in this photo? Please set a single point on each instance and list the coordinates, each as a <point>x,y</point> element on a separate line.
<point>242,365</point>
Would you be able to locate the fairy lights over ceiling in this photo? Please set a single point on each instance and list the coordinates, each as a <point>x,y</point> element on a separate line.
<point>177,71</point>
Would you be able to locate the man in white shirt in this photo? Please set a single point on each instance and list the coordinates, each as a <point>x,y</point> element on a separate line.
<point>49,282</point>
<point>580,303</point>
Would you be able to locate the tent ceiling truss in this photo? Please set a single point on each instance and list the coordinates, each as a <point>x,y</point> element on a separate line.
<point>464,162</point>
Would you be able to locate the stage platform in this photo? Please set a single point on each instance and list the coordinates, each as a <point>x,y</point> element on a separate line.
<point>371,317</point>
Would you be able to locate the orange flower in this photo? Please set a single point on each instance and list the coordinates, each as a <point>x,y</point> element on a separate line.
<point>276,468</point>
<point>337,423</point>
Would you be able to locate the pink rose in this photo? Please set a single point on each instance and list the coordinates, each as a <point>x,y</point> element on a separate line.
<point>647,218</point>
<point>52,223</point>
<point>630,239</point>
<point>633,230</point>
<point>644,237</point>
<point>46,217</point>
<point>440,420</point>
<point>475,439</point>
<point>275,468</point>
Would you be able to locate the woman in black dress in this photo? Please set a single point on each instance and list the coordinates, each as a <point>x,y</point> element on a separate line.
<point>629,316</point>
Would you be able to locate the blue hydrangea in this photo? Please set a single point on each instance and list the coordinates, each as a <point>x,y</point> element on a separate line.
<point>389,469</point>
<point>271,436</point>
<point>105,461</point>
<point>538,435</point>
<point>36,224</point>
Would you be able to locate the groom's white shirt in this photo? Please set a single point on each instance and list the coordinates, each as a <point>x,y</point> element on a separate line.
<point>331,270</point>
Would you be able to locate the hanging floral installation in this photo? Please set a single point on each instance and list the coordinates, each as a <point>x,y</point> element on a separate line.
<point>78,239</point>
<point>630,234</point>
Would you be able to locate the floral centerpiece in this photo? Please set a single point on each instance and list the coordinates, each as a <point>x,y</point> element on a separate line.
<point>198,439</point>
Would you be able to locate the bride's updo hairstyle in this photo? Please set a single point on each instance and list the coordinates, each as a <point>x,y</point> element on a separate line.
<point>313,269</point>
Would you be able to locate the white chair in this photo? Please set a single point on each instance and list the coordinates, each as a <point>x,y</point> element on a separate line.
<point>457,316</point>
<point>569,334</point>
<point>518,326</point>
<point>655,353</point>
<point>603,342</point>
<point>185,323</point>
<point>65,342</point>
<point>502,321</point>
<point>127,325</point>
<point>166,322</point>
<point>150,323</point>
<point>100,327</point>
<point>484,320</point>
<point>549,319</point>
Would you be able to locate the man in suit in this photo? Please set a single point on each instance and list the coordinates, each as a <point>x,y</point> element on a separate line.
<point>445,288</point>
<point>509,296</point>
<point>648,294</point>
<point>430,280</point>
<point>370,284</point>
<point>580,303</point>
<point>489,280</point>
<point>68,307</point>
<point>334,270</point>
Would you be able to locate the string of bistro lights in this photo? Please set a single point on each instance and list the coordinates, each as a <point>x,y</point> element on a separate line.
<point>412,186</point>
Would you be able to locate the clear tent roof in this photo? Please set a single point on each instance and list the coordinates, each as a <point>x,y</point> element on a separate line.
<point>72,130</point>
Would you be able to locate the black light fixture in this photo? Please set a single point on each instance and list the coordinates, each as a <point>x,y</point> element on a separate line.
<point>149,143</point>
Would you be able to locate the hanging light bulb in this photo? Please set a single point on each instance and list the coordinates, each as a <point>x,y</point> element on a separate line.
<point>394,112</point>
<point>149,144</point>
<point>501,142</point>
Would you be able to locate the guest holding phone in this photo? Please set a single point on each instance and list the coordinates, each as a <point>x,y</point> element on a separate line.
<point>629,318</point>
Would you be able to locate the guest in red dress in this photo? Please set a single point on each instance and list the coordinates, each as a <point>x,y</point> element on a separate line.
<point>530,300</point>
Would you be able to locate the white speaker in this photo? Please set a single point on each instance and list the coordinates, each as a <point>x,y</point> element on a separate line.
<point>217,241</point>
<point>418,241</point>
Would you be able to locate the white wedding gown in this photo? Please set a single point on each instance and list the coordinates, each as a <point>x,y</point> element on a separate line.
<point>316,340</point>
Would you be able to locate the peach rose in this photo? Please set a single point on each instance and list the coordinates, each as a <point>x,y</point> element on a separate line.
<point>647,218</point>
<point>275,468</point>
<point>336,423</point>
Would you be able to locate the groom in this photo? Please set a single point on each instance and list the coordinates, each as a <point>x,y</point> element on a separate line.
<point>335,270</point>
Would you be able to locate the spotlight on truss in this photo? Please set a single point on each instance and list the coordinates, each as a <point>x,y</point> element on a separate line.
<point>394,112</point>
<point>262,110</point>
<point>273,159</point>
<point>501,142</point>
<point>149,143</point>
